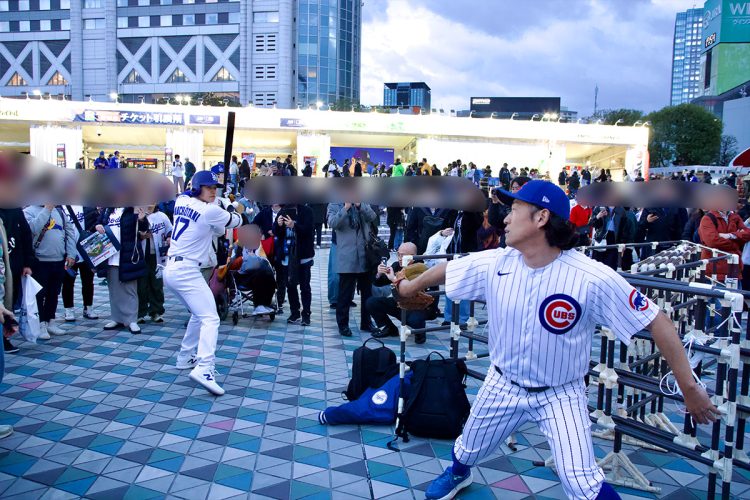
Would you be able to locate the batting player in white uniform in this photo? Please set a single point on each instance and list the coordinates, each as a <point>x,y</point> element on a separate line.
<point>544,301</point>
<point>196,220</point>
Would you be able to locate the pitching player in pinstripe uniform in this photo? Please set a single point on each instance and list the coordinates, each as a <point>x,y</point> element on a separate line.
<point>544,300</point>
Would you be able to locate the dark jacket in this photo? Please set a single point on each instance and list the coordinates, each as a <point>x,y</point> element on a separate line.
<point>394,216</point>
<point>307,171</point>
<point>132,261</point>
<point>470,224</point>
<point>264,219</point>
<point>20,244</point>
<point>244,170</point>
<point>690,233</point>
<point>319,212</point>
<point>415,223</point>
<point>668,227</point>
<point>303,232</point>
<point>600,225</point>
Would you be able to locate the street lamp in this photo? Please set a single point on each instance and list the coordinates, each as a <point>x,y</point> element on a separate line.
<point>647,124</point>
<point>178,98</point>
<point>113,96</point>
<point>535,115</point>
<point>471,113</point>
<point>319,105</point>
<point>513,115</point>
<point>619,121</point>
<point>37,93</point>
<point>187,99</point>
<point>638,123</point>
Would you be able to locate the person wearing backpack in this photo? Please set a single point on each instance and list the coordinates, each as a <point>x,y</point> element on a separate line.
<point>536,291</point>
<point>725,231</point>
<point>423,222</point>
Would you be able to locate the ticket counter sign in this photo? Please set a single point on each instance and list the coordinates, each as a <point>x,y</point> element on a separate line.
<point>134,117</point>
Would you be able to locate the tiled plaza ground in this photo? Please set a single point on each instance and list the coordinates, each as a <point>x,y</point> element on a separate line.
<point>106,415</point>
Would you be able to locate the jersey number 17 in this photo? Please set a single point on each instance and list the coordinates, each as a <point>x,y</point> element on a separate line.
<point>180,224</point>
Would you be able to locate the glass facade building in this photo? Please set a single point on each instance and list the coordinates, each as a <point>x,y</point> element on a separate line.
<point>686,56</point>
<point>328,51</point>
<point>407,94</point>
<point>284,53</point>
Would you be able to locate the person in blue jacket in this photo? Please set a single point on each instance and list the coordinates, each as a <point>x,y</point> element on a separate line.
<point>114,162</point>
<point>101,162</point>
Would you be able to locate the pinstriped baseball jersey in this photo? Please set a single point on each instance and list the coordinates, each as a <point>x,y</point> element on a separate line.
<point>541,321</point>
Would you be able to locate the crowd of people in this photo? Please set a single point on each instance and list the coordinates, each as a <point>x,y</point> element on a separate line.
<point>212,231</point>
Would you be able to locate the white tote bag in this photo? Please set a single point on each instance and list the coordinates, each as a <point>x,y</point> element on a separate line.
<point>28,320</point>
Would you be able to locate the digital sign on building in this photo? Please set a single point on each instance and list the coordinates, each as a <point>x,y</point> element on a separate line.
<point>726,45</point>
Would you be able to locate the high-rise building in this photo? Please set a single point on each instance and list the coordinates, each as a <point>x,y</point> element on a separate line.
<point>285,53</point>
<point>686,56</point>
<point>407,95</point>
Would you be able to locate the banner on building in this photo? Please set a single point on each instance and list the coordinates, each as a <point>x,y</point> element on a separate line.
<point>60,157</point>
<point>205,120</point>
<point>136,117</point>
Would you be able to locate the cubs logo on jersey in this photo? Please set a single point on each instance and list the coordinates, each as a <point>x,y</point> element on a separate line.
<point>559,313</point>
<point>637,301</point>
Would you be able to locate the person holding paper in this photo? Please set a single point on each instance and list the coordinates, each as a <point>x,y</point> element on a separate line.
<point>124,225</point>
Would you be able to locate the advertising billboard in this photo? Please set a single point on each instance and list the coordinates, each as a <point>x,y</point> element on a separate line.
<point>367,157</point>
<point>725,21</point>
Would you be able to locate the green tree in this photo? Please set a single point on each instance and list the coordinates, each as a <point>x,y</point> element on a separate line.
<point>684,135</point>
<point>727,150</point>
<point>346,104</point>
<point>612,116</point>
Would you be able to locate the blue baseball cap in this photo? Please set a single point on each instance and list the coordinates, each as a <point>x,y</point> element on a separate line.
<point>218,168</point>
<point>543,194</point>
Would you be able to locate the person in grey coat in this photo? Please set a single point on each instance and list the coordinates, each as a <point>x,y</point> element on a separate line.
<point>54,242</point>
<point>351,221</point>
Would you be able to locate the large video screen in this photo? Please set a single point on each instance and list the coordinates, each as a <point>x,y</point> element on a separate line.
<point>367,157</point>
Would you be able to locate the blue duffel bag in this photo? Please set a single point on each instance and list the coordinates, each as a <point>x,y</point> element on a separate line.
<point>374,406</point>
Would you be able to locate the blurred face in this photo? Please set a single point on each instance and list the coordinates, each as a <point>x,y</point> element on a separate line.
<point>514,187</point>
<point>523,223</point>
<point>208,194</point>
<point>249,237</point>
<point>276,208</point>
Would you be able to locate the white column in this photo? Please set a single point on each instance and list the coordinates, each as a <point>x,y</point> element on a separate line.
<point>44,141</point>
<point>188,143</point>
<point>316,145</point>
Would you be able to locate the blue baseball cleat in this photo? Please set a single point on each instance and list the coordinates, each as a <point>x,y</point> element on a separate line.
<point>447,485</point>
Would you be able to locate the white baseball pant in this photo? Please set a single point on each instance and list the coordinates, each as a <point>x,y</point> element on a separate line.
<point>562,415</point>
<point>186,281</point>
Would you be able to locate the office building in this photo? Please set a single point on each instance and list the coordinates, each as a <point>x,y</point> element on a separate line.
<point>283,53</point>
<point>686,56</point>
<point>407,95</point>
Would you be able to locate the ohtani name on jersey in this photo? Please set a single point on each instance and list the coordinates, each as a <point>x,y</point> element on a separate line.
<point>559,313</point>
<point>187,212</point>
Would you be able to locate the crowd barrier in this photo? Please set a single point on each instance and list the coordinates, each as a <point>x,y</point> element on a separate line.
<point>633,383</point>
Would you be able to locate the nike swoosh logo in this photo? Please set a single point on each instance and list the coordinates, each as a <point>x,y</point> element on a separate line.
<point>502,274</point>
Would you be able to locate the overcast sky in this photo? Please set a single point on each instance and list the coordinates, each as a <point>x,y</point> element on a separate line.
<point>523,48</point>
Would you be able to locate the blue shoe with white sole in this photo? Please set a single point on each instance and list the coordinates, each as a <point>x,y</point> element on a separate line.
<point>447,485</point>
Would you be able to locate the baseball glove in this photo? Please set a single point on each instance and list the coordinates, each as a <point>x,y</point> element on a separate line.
<point>421,300</point>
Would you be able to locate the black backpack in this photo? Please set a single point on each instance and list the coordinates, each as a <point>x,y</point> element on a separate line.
<point>371,368</point>
<point>436,404</point>
<point>431,224</point>
<point>375,251</point>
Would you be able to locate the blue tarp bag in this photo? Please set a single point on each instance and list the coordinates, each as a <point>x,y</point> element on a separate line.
<point>374,406</point>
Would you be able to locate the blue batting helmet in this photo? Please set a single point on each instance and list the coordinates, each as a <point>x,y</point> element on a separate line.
<point>200,179</point>
<point>218,169</point>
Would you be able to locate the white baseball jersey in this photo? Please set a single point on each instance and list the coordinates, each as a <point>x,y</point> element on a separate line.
<point>160,227</point>
<point>541,321</point>
<point>114,225</point>
<point>195,224</point>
